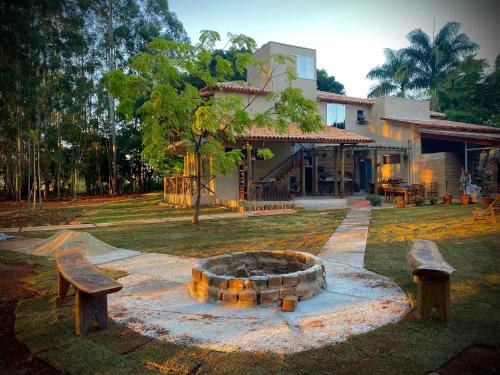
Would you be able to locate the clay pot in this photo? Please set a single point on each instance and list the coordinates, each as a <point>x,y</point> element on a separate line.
<point>465,199</point>
<point>447,198</point>
<point>486,201</point>
<point>401,204</point>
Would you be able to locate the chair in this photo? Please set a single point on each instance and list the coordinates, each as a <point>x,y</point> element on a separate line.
<point>432,190</point>
<point>489,212</point>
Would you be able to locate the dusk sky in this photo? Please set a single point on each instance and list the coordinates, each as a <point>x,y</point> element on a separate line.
<point>349,36</point>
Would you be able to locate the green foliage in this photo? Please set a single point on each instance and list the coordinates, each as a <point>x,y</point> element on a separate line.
<point>374,199</point>
<point>394,76</point>
<point>328,83</point>
<point>265,153</point>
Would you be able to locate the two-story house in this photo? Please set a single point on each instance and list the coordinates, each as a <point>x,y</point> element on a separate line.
<point>365,143</point>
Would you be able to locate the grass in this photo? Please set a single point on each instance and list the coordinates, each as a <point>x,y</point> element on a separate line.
<point>304,230</point>
<point>95,210</point>
<point>409,346</point>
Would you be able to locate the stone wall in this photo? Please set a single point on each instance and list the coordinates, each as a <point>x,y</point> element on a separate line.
<point>440,167</point>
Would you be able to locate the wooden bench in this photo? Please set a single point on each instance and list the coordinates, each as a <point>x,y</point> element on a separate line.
<point>489,212</point>
<point>91,285</point>
<point>432,275</point>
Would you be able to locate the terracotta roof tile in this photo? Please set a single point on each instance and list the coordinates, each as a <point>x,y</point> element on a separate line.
<point>329,97</point>
<point>327,135</point>
<point>444,124</point>
<point>235,87</point>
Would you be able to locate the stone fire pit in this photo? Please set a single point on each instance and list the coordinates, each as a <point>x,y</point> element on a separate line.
<point>257,277</point>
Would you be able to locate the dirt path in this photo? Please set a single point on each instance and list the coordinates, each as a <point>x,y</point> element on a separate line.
<point>15,357</point>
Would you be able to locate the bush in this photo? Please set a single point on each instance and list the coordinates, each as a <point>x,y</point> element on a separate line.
<point>374,199</point>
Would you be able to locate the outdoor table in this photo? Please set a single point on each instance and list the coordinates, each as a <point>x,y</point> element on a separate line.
<point>405,191</point>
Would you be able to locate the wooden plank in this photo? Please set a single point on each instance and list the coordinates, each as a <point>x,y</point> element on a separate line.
<point>424,257</point>
<point>77,270</point>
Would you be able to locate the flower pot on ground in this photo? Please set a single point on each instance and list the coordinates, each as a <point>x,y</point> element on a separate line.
<point>418,201</point>
<point>447,198</point>
<point>465,199</point>
<point>400,202</point>
<point>433,200</point>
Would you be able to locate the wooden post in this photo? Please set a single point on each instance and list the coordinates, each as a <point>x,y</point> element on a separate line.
<point>315,172</point>
<point>164,189</point>
<point>302,173</point>
<point>342,170</point>
<point>433,291</point>
<point>335,173</point>
<point>375,172</point>
<point>87,307</point>
<point>249,172</point>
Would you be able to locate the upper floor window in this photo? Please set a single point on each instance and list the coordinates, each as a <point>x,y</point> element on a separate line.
<point>305,67</point>
<point>335,115</point>
<point>360,118</point>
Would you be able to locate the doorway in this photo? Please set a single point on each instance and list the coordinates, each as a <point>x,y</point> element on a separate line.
<point>365,174</point>
<point>308,175</point>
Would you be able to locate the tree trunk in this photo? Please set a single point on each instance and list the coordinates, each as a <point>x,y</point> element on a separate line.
<point>39,185</point>
<point>111,66</point>
<point>34,175</point>
<point>29,175</point>
<point>196,215</point>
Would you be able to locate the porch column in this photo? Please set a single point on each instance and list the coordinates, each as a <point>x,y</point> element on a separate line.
<point>302,172</point>
<point>342,157</point>
<point>335,173</point>
<point>315,172</point>
<point>249,172</point>
<point>375,172</point>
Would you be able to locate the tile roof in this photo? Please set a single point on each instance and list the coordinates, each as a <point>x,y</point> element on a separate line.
<point>491,137</point>
<point>329,97</point>
<point>444,124</point>
<point>327,135</point>
<point>435,114</point>
<point>235,87</point>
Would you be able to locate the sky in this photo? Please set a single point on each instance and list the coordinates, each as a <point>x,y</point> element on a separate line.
<point>349,36</point>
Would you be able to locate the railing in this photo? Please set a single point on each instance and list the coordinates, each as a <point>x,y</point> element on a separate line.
<point>186,185</point>
<point>267,191</point>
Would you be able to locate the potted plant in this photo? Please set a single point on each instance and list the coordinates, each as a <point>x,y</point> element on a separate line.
<point>465,199</point>
<point>446,197</point>
<point>418,201</point>
<point>433,200</point>
<point>374,199</point>
<point>486,198</point>
<point>400,202</point>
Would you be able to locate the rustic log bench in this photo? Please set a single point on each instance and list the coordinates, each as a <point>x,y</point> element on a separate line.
<point>91,286</point>
<point>432,275</point>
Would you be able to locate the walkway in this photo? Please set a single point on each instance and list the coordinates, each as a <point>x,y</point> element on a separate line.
<point>155,300</point>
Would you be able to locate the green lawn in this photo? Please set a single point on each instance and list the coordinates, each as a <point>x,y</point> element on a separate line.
<point>409,346</point>
<point>96,210</point>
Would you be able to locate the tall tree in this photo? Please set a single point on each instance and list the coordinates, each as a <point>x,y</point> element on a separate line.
<point>174,110</point>
<point>328,83</point>
<point>434,58</point>
<point>394,75</point>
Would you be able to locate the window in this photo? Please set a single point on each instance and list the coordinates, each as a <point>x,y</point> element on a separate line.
<point>392,159</point>
<point>305,67</point>
<point>360,118</point>
<point>335,115</point>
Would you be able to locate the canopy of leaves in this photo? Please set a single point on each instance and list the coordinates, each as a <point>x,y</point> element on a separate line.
<point>328,83</point>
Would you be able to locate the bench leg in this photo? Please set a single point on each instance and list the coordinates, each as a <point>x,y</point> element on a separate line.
<point>433,293</point>
<point>86,307</point>
<point>62,287</point>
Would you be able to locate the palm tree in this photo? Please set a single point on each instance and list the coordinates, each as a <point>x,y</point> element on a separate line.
<point>394,76</point>
<point>435,59</point>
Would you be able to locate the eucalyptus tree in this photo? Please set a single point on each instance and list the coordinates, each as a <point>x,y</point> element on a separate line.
<point>435,58</point>
<point>394,76</point>
<point>173,110</point>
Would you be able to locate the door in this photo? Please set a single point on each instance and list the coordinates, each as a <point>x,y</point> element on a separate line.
<point>365,174</point>
<point>309,180</point>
